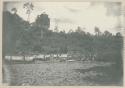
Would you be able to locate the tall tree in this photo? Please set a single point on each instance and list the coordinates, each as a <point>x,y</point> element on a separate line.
<point>97,31</point>
<point>29,7</point>
<point>43,23</point>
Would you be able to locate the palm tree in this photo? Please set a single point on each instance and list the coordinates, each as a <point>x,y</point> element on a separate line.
<point>29,7</point>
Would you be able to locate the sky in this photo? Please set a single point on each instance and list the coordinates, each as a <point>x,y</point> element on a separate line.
<point>70,15</point>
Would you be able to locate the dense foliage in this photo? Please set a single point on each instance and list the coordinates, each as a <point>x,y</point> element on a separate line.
<point>21,37</point>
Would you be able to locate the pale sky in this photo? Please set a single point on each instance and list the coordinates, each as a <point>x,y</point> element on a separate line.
<point>70,15</point>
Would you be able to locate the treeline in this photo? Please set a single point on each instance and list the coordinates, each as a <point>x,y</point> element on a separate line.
<point>23,38</point>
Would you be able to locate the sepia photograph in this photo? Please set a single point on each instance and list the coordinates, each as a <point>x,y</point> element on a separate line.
<point>62,43</point>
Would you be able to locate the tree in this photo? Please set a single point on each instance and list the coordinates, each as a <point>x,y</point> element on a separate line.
<point>107,33</point>
<point>14,10</point>
<point>80,30</point>
<point>56,29</point>
<point>97,31</point>
<point>13,27</point>
<point>118,34</point>
<point>29,7</point>
<point>43,23</point>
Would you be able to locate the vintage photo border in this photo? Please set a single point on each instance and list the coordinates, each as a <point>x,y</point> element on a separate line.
<point>122,31</point>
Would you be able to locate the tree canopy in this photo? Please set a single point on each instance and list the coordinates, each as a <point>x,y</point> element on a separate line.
<point>24,38</point>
